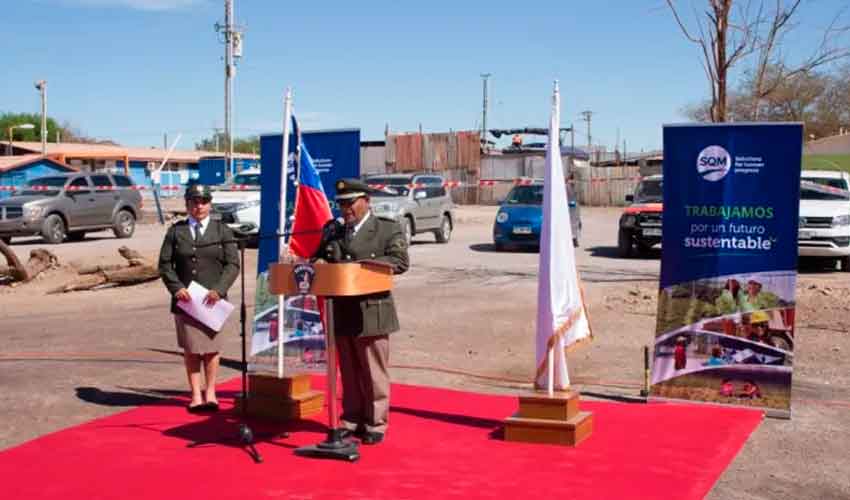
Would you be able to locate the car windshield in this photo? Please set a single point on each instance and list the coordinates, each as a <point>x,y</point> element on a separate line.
<point>814,189</point>
<point>47,186</point>
<point>525,195</point>
<point>649,191</point>
<point>246,179</point>
<point>391,186</point>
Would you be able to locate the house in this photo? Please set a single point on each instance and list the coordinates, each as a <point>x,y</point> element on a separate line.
<point>15,171</point>
<point>136,162</point>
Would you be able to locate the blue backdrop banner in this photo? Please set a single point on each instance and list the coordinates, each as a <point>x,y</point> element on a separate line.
<point>335,154</point>
<point>725,329</point>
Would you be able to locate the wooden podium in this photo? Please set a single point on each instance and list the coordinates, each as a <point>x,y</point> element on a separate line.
<point>333,280</point>
<point>552,419</point>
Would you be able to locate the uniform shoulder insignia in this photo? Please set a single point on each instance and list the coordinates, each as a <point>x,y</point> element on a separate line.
<point>181,221</point>
<point>385,218</point>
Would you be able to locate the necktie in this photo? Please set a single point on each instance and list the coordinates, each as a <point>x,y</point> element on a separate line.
<point>197,232</point>
<point>349,234</point>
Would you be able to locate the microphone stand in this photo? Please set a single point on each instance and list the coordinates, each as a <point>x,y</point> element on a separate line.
<point>245,436</point>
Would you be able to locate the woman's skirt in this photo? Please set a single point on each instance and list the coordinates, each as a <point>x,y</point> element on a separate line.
<point>194,337</point>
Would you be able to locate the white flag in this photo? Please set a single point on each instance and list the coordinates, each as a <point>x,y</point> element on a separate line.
<point>561,316</point>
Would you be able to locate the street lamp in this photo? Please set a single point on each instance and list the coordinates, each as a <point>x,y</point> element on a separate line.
<point>27,126</point>
<point>41,86</point>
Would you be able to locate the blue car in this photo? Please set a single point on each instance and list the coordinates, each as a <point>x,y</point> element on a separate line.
<point>520,217</point>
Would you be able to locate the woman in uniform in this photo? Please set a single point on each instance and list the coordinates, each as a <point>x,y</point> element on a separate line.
<point>202,250</point>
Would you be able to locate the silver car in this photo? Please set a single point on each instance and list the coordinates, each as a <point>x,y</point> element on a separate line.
<point>419,202</point>
<point>67,206</point>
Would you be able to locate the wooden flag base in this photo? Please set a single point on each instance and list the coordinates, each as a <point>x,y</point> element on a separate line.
<point>281,399</point>
<point>552,420</point>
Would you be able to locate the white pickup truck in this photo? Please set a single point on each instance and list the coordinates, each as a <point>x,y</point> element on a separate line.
<point>238,202</point>
<point>824,229</point>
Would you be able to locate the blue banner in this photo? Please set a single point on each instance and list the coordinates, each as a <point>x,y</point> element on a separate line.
<point>725,329</point>
<point>335,154</point>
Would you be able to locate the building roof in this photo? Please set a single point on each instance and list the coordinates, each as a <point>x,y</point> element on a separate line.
<point>12,162</point>
<point>80,150</point>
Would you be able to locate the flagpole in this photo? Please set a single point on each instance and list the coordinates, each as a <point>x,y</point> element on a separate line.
<point>284,163</point>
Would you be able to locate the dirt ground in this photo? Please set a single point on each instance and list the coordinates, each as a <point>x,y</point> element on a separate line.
<point>467,315</point>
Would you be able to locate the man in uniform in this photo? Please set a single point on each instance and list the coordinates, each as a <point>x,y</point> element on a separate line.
<point>363,324</point>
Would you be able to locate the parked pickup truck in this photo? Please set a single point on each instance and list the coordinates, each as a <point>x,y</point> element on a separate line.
<point>67,206</point>
<point>640,222</point>
<point>824,229</point>
<point>238,203</point>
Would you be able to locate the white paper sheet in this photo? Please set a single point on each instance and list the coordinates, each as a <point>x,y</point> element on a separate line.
<point>213,316</point>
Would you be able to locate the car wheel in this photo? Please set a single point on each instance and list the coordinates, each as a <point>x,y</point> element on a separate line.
<point>643,249</point>
<point>845,264</point>
<point>6,239</point>
<point>53,229</point>
<point>445,232</point>
<point>124,224</point>
<point>76,236</point>
<point>407,230</point>
<point>624,243</point>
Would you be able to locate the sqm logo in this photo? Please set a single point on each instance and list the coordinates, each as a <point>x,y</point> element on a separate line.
<point>713,163</point>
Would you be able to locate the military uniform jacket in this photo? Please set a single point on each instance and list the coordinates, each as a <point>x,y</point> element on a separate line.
<point>212,262</point>
<point>374,314</point>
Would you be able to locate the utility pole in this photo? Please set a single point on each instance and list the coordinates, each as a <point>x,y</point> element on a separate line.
<point>587,116</point>
<point>41,85</point>
<point>572,139</point>
<point>486,78</point>
<point>232,50</point>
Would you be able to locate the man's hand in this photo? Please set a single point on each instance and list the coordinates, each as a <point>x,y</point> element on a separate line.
<point>212,297</point>
<point>183,295</point>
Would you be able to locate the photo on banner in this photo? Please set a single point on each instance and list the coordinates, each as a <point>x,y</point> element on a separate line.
<point>726,304</point>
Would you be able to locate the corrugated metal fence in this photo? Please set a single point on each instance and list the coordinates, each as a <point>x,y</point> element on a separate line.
<point>605,186</point>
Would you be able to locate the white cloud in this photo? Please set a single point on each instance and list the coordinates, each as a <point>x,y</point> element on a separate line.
<point>154,5</point>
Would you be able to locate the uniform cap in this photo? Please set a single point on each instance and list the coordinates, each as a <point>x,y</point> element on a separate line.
<point>349,189</point>
<point>197,191</point>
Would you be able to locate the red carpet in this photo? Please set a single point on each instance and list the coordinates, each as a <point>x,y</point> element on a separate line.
<point>441,444</point>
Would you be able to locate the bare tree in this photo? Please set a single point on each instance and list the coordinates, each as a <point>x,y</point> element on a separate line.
<point>726,36</point>
<point>773,70</point>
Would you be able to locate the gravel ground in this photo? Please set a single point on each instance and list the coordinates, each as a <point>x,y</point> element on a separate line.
<point>465,310</point>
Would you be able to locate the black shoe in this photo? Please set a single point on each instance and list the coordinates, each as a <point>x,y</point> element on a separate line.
<point>346,433</point>
<point>370,437</point>
<point>210,407</point>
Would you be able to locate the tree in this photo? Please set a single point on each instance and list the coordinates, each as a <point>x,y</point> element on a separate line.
<point>55,131</point>
<point>218,142</point>
<point>22,134</point>
<point>820,100</point>
<point>727,36</point>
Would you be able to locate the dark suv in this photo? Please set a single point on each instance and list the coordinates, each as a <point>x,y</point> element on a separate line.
<point>66,206</point>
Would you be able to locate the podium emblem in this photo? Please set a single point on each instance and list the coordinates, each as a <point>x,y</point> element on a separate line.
<point>303,274</point>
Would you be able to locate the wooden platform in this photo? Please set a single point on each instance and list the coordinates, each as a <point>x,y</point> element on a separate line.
<point>282,399</point>
<point>552,420</point>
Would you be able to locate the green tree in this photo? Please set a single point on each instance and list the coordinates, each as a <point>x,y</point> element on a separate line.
<point>34,134</point>
<point>218,142</point>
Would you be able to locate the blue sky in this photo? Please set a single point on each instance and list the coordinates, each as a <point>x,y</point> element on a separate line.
<point>131,70</point>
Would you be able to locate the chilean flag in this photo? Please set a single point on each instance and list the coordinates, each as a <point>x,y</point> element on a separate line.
<point>312,210</point>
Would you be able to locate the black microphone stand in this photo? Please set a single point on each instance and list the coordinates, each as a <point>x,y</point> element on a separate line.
<point>246,435</point>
